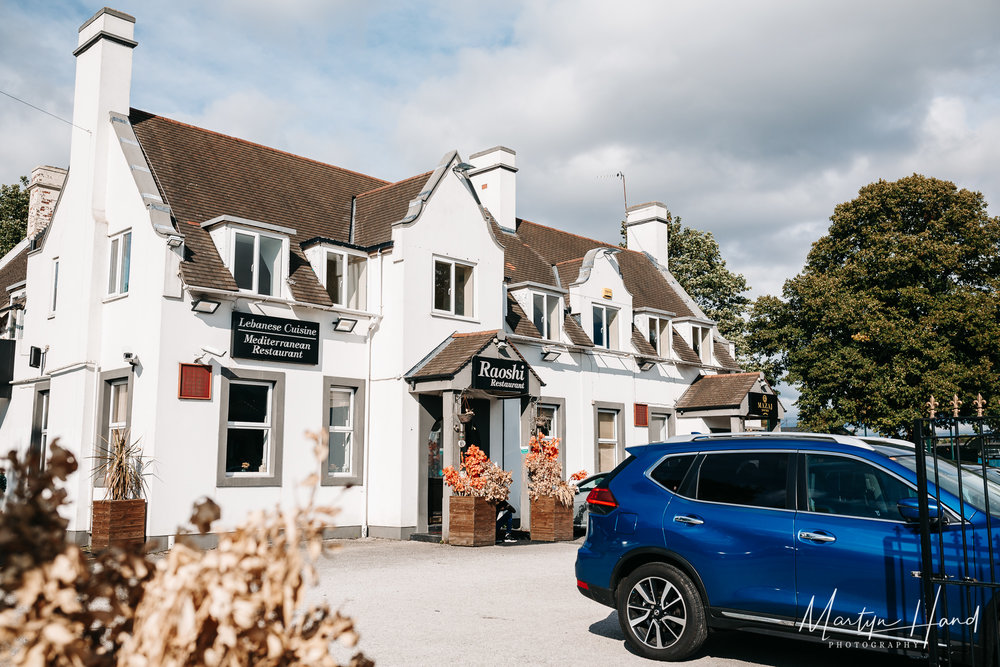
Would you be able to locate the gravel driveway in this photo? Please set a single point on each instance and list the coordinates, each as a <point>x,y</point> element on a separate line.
<point>416,603</point>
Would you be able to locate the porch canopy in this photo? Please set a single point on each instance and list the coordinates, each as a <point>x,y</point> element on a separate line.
<point>477,365</point>
<point>726,401</point>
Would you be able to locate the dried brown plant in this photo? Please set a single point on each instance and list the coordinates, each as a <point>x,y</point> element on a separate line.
<point>239,604</point>
<point>122,467</point>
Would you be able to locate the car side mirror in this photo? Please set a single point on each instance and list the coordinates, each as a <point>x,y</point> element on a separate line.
<point>909,508</point>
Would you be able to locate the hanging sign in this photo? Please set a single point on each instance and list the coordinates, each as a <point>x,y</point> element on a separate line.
<point>275,339</point>
<point>500,376</point>
<point>762,405</point>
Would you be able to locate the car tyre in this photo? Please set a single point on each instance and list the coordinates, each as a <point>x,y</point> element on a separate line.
<point>661,613</point>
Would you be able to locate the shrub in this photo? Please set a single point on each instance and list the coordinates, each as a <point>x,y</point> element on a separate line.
<point>478,476</point>
<point>545,475</point>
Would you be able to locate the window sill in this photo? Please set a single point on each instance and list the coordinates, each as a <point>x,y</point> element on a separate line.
<point>248,480</point>
<point>449,316</point>
<point>341,479</point>
<point>114,297</point>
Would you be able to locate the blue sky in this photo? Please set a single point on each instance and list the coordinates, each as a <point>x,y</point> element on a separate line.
<point>751,120</point>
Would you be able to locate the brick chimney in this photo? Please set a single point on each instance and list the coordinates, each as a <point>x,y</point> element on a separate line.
<point>103,83</point>
<point>646,230</point>
<point>495,180</point>
<point>43,191</point>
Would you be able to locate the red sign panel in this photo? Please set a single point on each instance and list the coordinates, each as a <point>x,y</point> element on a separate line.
<point>641,414</point>
<point>195,382</point>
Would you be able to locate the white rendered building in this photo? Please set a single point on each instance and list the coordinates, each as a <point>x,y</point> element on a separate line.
<point>218,299</point>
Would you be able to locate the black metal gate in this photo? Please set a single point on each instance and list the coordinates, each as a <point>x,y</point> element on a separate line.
<point>960,554</point>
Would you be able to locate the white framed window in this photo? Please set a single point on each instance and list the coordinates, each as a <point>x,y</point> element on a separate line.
<point>341,424</point>
<point>659,335</point>
<point>119,261</point>
<point>658,427</point>
<point>454,287</point>
<point>545,314</point>
<point>248,428</point>
<point>345,279</point>
<point>257,262</point>
<point>40,427</point>
<point>117,410</point>
<point>54,294</point>
<point>548,421</point>
<point>606,327</point>
<point>701,343</point>
<point>607,440</point>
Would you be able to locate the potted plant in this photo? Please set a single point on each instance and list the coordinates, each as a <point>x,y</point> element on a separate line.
<point>120,519</point>
<point>477,486</point>
<point>551,496</point>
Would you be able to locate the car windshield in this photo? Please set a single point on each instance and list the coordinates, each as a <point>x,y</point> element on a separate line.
<point>976,491</point>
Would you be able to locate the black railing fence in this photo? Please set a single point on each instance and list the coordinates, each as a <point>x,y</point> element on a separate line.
<point>960,555</point>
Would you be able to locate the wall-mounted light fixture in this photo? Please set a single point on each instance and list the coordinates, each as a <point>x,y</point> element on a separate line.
<point>550,354</point>
<point>35,357</point>
<point>344,324</point>
<point>205,306</point>
<point>645,364</point>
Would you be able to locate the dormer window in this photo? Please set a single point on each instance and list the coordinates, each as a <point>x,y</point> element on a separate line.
<point>701,343</point>
<point>606,327</point>
<point>545,314</point>
<point>345,279</point>
<point>257,262</point>
<point>659,335</point>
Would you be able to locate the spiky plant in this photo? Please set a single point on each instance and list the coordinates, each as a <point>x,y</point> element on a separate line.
<point>122,467</point>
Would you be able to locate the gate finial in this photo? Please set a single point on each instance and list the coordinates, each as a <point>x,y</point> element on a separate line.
<point>980,404</point>
<point>932,406</point>
<point>955,404</point>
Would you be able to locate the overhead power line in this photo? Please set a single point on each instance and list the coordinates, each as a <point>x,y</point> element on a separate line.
<point>47,113</point>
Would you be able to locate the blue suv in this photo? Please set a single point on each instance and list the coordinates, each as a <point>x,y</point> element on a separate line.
<point>812,535</point>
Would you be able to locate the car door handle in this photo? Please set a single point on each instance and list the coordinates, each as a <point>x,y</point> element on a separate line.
<point>689,519</point>
<point>816,537</point>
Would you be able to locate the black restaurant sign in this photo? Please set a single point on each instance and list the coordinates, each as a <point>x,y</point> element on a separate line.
<point>500,376</point>
<point>275,339</point>
<point>762,405</point>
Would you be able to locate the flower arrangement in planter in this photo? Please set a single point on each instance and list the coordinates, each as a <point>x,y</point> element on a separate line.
<point>477,486</point>
<point>551,496</point>
<point>120,519</point>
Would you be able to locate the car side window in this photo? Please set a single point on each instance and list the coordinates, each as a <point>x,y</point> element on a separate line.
<point>670,472</point>
<point>849,487</point>
<point>759,479</point>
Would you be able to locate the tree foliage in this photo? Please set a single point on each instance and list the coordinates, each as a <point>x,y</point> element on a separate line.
<point>897,302</point>
<point>13,214</point>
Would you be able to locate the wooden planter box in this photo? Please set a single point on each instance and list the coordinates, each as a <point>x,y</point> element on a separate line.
<point>117,522</point>
<point>551,521</point>
<point>472,522</point>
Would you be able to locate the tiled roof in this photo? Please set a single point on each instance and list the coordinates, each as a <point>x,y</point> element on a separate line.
<point>377,209</point>
<point>642,345</point>
<point>723,357</point>
<point>683,350</point>
<point>15,271</point>
<point>576,333</point>
<point>456,354</point>
<point>518,321</point>
<point>203,174</point>
<point>717,391</point>
<point>521,264</point>
<point>642,278</point>
<point>569,271</point>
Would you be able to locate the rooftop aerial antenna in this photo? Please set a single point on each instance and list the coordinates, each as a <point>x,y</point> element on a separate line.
<point>621,175</point>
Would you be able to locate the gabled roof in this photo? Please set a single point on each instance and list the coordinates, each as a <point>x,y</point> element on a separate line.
<point>717,391</point>
<point>642,278</point>
<point>377,209</point>
<point>203,175</point>
<point>456,352</point>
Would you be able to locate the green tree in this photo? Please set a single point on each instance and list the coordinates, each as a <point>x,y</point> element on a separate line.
<point>898,301</point>
<point>13,214</point>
